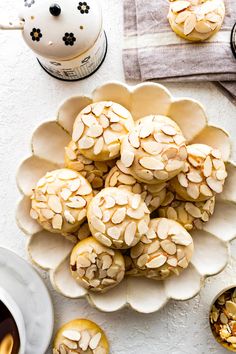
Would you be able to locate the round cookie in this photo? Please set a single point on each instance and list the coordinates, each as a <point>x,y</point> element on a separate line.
<point>118,218</point>
<point>166,249</point>
<point>203,176</point>
<point>196,20</point>
<point>94,171</point>
<point>155,150</point>
<point>99,129</point>
<point>80,336</point>
<point>191,215</point>
<point>96,267</point>
<point>153,194</point>
<point>60,199</point>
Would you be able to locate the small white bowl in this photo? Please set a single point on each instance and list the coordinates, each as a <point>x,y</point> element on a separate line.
<point>11,305</point>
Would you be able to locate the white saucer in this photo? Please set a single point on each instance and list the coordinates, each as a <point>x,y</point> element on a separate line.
<point>29,292</point>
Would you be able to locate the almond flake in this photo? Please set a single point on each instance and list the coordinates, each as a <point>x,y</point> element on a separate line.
<point>171,214</point>
<point>106,216</point>
<point>57,222</point>
<point>98,224</point>
<point>69,217</point>
<point>205,190</point>
<point>65,194</point>
<point>207,167</point>
<point>47,213</point>
<point>169,130</point>
<point>181,17</point>
<point>169,247</point>
<point>114,232</point>
<point>72,335</point>
<point>202,27</point>
<point>95,131</point>
<point>34,215</point>
<point>182,239</point>
<point>142,260</point>
<point>145,131</point>
<point>145,175</point>
<point>98,146</point>
<point>70,154</point>
<point>106,262</point>
<point>130,232</point>
<point>174,165</point>
<point>109,202</point>
<point>55,203</point>
<point>161,175</point>
<point>99,350</point>
<point>137,250</point>
<point>194,176</point>
<point>151,163</point>
<point>152,147</point>
<point>172,261</point>
<point>180,6</point>
<point>119,216</point>
<point>216,153</point>
<point>86,143</point>
<point>74,185</point>
<point>155,245</point>
<point>221,175</point>
<point>190,24</point>
<point>76,202</point>
<point>97,108</point>
<point>103,239</point>
<point>97,211</point>
<point>213,17</point>
<point>127,158</point>
<point>116,127</point>
<point>193,190</point>
<point>114,118</point>
<point>70,344</point>
<point>194,211</point>
<point>142,227</point>
<point>183,263</point>
<point>163,228</point>
<point>183,181</point>
<point>110,137</point>
<point>114,150</point>
<point>77,131</point>
<point>104,121</point>
<point>95,341</point>
<point>157,262</point>
<point>126,179</point>
<point>135,214</point>
<point>120,110</point>
<point>215,185</point>
<point>134,139</point>
<point>84,341</point>
<point>66,174</point>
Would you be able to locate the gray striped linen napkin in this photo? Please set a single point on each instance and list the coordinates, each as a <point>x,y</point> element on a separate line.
<point>153,51</point>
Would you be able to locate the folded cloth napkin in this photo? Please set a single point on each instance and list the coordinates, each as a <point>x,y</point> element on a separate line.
<point>153,51</point>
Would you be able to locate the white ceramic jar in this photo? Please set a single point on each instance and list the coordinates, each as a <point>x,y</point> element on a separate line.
<point>67,36</point>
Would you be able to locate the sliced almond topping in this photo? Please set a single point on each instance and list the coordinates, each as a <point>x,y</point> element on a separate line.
<point>221,175</point>
<point>114,232</point>
<point>135,201</point>
<point>98,224</point>
<point>130,232</point>
<point>215,185</point>
<point>66,174</point>
<point>97,211</point>
<point>55,203</point>
<point>170,153</point>
<point>84,341</point>
<point>194,211</point>
<point>134,139</point>
<point>121,199</point>
<point>98,146</point>
<point>69,217</point>
<point>213,17</point>
<point>174,165</point>
<point>84,189</point>
<point>127,158</point>
<point>109,202</point>
<point>205,190</point>
<point>65,193</point>
<point>95,341</point>
<point>103,239</point>
<point>70,344</point>
<point>83,262</point>
<point>57,222</point>
<point>182,239</point>
<point>106,262</point>
<point>161,175</point>
<point>97,108</point>
<point>169,247</point>
<point>111,137</point>
<point>89,120</point>
<point>137,250</point>
<point>157,262</point>
<point>193,190</point>
<point>216,153</point>
<point>178,6</point>
<point>169,130</point>
<point>104,121</point>
<point>76,202</point>
<point>114,150</point>
<point>145,175</point>
<point>172,261</point>
<point>207,167</point>
<point>183,180</point>
<point>181,17</point>
<point>74,185</point>
<point>145,130</point>
<point>152,147</point>
<point>142,227</point>
<point>95,131</point>
<point>70,154</point>
<point>183,263</point>
<point>86,143</point>
<point>119,216</point>
<point>114,118</point>
<point>202,27</point>
<point>171,213</point>
<point>154,246</point>
<point>34,215</point>
<point>77,131</point>
<point>163,229</point>
<point>106,216</point>
<point>190,24</point>
<point>151,163</point>
<point>142,260</point>
<point>194,176</point>
<point>135,214</point>
<point>126,179</point>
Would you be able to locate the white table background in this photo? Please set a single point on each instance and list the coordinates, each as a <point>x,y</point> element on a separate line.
<point>28,96</point>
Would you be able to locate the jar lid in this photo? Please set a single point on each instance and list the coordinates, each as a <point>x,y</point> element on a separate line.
<point>61,29</point>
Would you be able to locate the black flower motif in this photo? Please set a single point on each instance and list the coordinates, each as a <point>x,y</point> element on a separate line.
<point>36,34</point>
<point>83,7</point>
<point>29,3</point>
<point>69,39</point>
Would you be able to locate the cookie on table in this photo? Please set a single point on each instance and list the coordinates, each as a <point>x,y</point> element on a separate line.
<point>153,194</point>
<point>118,218</point>
<point>80,336</point>
<point>99,129</point>
<point>166,249</point>
<point>96,267</point>
<point>196,20</point>
<point>94,171</point>
<point>191,215</point>
<point>60,200</point>
<point>203,176</point>
<point>155,150</point>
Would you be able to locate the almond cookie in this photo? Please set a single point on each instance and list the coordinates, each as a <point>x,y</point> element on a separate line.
<point>153,194</point>
<point>80,336</point>
<point>96,267</point>
<point>191,215</point>
<point>118,218</point>
<point>99,129</point>
<point>203,176</point>
<point>94,171</point>
<point>60,200</point>
<point>155,150</point>
<point>166,249</point>
<point>196,20</point>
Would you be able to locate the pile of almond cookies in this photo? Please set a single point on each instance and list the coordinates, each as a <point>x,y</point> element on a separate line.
<point>128,196</point>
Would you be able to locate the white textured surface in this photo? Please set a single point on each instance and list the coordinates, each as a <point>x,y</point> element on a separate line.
<point>28,96</point>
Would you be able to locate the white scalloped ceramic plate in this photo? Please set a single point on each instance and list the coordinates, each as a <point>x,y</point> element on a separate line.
<point>51,251</point>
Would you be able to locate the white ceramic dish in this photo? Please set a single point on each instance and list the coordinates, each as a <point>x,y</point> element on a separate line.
<point>51,251</point>
<point>30,295</point>
<point>14,309</point>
